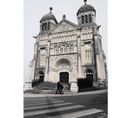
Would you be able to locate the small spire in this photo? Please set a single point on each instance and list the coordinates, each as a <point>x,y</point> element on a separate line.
<point>50,9</point>
<point>64,16</point>
<point>85,1</point>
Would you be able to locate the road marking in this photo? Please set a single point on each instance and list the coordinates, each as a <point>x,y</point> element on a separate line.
<point>38,101</point>
<point>78,114</point>
<point>32,101</point>
<point>37,104</point>
<point>52,110</point>
<point>52,105</point>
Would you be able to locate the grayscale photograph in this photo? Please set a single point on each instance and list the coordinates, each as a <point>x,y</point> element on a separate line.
<point>65,59</point>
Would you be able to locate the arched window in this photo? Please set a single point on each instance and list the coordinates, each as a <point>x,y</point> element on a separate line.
<point>86,19</point>
<point>90,19</point>
<point>45,26</point>
<point>63,47</point>
<point>71,48</point>
<point>57,50</point>
<point>41,27</point>
<point>48,25</point>
<point>88,54</point>
<point>82,19</point>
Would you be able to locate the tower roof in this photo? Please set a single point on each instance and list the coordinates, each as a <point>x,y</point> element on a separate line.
<point>85,7</point>
<point>48,16</point>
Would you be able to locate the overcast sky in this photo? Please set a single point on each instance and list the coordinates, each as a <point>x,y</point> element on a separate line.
<point>34,10</point>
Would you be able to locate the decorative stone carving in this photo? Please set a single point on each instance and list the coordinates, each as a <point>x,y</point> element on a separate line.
<point>64,47</point>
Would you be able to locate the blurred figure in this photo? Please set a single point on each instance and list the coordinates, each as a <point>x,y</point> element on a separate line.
<point>59,88</point>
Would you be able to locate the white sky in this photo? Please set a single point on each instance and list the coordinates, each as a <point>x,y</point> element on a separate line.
<point>34,10</point>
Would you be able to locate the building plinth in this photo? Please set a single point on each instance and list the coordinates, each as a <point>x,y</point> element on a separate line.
<point>74,86</point>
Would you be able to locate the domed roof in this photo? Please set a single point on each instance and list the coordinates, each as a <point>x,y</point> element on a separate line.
<point>85,8</point>
<point>48,16</point>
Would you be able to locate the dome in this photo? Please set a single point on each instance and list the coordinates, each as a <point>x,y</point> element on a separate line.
<point>48,16</point>
<point>85,8</point>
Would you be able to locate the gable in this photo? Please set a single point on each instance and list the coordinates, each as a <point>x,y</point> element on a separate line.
<point>64,26</point>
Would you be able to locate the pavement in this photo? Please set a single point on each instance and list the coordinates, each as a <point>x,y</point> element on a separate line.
<point>65,93</point>
<point>92,104</point>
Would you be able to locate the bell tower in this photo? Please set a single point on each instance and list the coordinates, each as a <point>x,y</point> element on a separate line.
<point>47,22</point>
<point>86,15</point>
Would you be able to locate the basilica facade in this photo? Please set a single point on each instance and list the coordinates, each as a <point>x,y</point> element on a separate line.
<point>65,51</point>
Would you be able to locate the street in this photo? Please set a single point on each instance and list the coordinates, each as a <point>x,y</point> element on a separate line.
<point>63,106</point>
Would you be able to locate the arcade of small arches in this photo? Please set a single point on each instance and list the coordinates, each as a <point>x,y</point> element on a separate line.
<point>86,19</point>
<point>63,48</point>
<point>64,38</point>
<point>45,26</point>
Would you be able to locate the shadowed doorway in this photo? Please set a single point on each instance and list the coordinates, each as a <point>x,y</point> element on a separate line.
<point>89,76</point>
<point>41,76</point>
<point>64,78</point>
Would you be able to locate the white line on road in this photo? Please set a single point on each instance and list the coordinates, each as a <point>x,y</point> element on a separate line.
<point>52,110</point>
<point>78,114</point>
<point>38,101</point>
<point>52,105</point>
<point>52,102</point>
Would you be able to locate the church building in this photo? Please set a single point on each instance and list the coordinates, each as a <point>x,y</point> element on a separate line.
<point>65,51</point>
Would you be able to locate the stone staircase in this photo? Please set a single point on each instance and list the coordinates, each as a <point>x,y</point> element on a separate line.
<point>47,88</point>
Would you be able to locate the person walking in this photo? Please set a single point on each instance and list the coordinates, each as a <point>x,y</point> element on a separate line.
<point>61,88</point>
<point>58,88</point>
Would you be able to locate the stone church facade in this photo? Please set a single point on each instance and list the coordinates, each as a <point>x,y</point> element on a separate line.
<point>65,51</point>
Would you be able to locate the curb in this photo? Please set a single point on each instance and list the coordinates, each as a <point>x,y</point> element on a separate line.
<point>66,94</point>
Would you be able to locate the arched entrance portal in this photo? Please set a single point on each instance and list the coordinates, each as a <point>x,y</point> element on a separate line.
<point>63,65</point>
<point>89,76</point>
<point>41,76</point>
<point>64,77</point>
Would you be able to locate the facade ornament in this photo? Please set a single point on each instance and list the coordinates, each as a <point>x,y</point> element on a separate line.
<point>85,1</point>
<point>50,9</point>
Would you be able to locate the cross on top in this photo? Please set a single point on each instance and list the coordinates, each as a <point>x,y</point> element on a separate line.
<point>85,1</point>
<point>51,9</point>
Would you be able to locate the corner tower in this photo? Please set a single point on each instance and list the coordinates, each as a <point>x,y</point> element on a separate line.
<point>47,22</point>
<point>86,15</point>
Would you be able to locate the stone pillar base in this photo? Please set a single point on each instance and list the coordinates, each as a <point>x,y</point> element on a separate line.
<point>73,86</point>
<point>28,86</point>
<point>95,84</point>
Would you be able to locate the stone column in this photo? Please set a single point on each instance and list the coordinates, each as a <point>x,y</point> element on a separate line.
<point>47,61</point>
<point>99,60</point>
<point>79,57</point>
<point>73,83</point>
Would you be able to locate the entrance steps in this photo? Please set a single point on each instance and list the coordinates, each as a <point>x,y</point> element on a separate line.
<point>47,88</point>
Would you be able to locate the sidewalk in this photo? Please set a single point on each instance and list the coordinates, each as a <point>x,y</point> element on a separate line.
<point>65,94</point>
